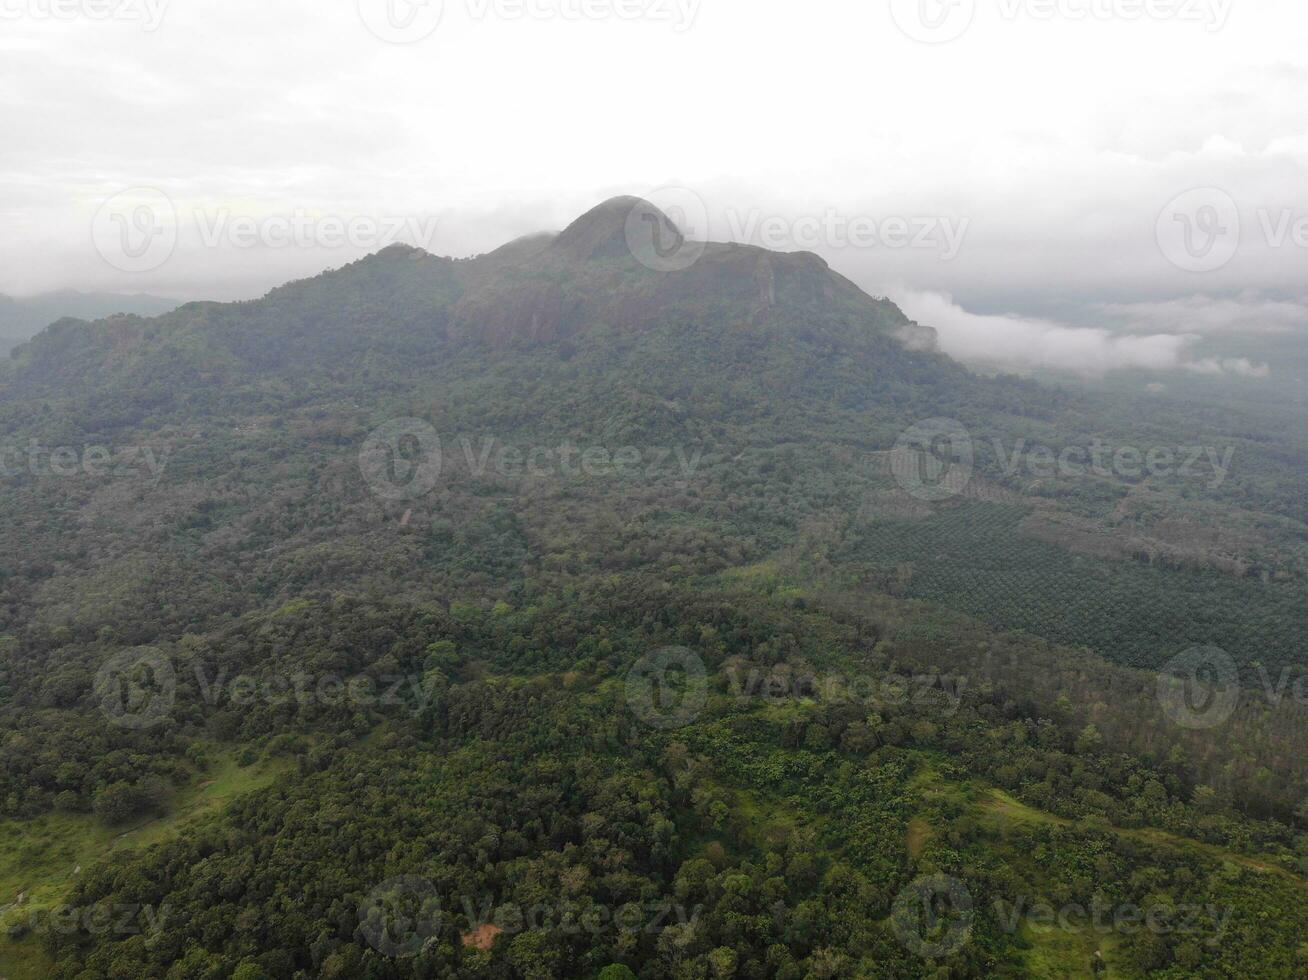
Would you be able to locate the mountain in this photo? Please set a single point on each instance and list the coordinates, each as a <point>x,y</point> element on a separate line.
<point>405,303</point>
<point>610,570</point>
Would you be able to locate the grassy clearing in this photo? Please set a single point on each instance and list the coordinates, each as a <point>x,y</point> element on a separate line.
<point>1062,954</point>
<point>759,821</point>
<point>1054,953</point>
<point>919,832</point>
<point>932,788</point>
<point>40,858</point>
<point>1007,808</point>
<point>1058,952</point>
<point>933,796</point>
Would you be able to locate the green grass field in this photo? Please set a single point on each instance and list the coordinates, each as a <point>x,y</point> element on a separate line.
<point>40,858</point>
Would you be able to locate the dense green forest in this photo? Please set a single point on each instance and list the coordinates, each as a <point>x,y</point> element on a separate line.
<point>907,734</point>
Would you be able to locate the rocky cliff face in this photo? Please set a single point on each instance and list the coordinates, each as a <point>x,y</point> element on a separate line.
<point>625,264</point>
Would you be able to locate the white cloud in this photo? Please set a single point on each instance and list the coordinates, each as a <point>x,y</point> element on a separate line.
<point>1024,343</point>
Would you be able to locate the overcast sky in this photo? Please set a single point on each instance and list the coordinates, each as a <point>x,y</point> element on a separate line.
<point>1135,162</point>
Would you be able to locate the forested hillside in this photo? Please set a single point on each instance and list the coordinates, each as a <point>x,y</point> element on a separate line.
<point>553,614</point>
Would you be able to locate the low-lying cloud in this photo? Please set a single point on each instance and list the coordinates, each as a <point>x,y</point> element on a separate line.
<point>1027,343</point>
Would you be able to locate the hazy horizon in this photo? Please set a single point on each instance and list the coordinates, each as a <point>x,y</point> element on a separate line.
<point>1165,169</point>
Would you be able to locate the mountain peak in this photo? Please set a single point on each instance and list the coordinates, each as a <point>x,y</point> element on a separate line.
<point>606,230</point>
